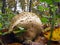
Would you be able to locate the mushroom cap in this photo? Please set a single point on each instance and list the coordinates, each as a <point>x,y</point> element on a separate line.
<point>26,20</point>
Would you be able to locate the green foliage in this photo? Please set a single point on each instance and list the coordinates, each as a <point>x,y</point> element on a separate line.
<point>44,20</point>
<point>53,8</point>
<point>52,11</point>
<point>49,1</point>
<point>0,25</point>
<point>5,19</point>
<point>5,22</point>
<point>41,8</point>
<point>19,31</point>
<point>57,0</point>
<point>0,5</point>
<point>57,16</point>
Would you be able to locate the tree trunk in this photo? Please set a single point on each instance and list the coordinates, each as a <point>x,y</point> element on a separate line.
<point>15,8</point>
<point>4,6</point>
<point>30,5</point>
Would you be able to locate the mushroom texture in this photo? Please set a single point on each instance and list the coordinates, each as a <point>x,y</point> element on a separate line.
<point>28,20</point>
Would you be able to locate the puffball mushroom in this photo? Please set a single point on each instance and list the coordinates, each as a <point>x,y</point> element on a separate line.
<point>28,20</point>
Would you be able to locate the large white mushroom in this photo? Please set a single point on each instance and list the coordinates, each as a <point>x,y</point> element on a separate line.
<point>28,20</point>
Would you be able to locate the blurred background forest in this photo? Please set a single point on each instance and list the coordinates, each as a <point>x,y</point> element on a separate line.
<point>46,9</point>
<point>9,8</point>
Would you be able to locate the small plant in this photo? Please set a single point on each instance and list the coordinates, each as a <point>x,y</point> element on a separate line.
<point>5,20</point>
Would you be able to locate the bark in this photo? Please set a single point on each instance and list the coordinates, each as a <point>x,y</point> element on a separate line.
<point>30,6</point>
<point>4,6</point>
<point>15,7</point>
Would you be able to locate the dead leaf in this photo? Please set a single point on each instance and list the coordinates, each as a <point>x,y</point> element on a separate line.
<point>15,44</point>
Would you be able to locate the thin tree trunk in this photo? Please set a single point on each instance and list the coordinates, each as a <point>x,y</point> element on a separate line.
<point>30,6</point>
<point>15,8</point>
<point>4,6</point>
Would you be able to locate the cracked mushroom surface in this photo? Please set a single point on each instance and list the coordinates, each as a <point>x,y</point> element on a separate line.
<point>28,20</point>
